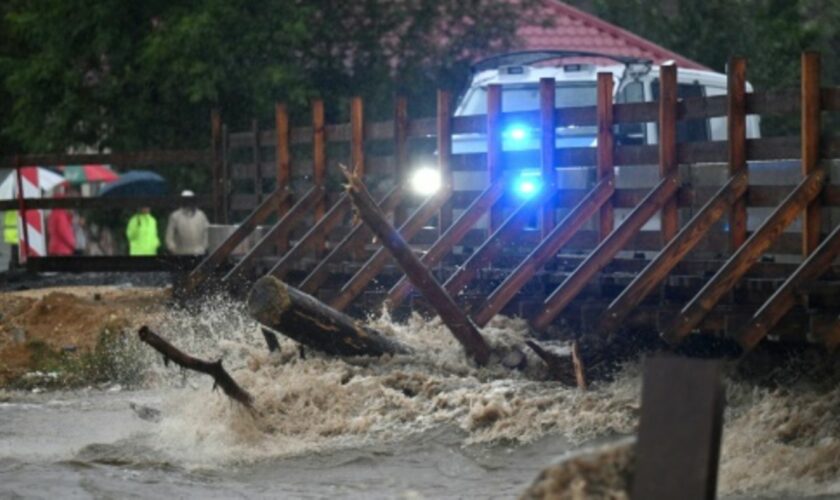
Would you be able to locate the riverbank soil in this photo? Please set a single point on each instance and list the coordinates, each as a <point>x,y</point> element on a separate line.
<point>54,333</point>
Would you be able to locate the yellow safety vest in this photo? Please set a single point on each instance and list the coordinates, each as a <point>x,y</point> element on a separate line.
<point>10,227</point>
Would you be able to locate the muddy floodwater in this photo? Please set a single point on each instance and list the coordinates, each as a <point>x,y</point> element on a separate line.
<point>428,425</point>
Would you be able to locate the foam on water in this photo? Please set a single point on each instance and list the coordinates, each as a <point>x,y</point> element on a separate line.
<point>783,441</point>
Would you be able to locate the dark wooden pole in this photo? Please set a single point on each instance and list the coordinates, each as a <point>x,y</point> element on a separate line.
<point>319,160</point>
<point>221,378</point>
<point>494,145</point>
<point>444,148</point>
<point>810,124</point>
<point>218,176</point>
<point>458,323</point>
<point>736,78</point>
<point>309,321</point>
<point>400,150</point>
<point>548,127</point>
<point>668,144</point>
<point>605,152</point>
<point>282,156</point>
<point>257,159</point>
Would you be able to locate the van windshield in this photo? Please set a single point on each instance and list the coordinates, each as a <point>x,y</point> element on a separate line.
<point>526,97</point>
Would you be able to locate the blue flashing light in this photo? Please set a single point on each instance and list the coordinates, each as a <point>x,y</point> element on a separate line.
<point>527,185</point>
<point>517,133</point>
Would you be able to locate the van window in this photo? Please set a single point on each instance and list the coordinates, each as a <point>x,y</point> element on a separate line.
<point>696,130</point>
<point>526,97</point>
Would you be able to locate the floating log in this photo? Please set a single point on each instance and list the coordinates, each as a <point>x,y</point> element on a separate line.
<point>458,323</point>
<point>559,367</point>
<point>309,321</point>
<point>221,378</point>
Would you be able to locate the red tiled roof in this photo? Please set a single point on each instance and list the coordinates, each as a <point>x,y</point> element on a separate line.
<point>574,29</point>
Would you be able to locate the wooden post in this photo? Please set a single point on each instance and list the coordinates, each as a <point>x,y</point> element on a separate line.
<point>810,105</point>
<point>358,233</point>
<point>21,196</point>
<point>458,323</point>
<point>218,178</point>
<point>444,159</point>
<point>357,131</point>
<point>283,157</point>
<point>257,159</point>
<point>668,144</point>
<point>319,160</point>
<point>400,149</point>
<point>746,255</point>
<point>453,234</point>
<point>605,251</point>
<point>680,426</point>
<point>606,142</point>
<point>494,145</point>
<point>547,248</point>
<point>548,127</point>
<point>785,297</point>
<point>665,261</point>
<point>225,184</point>
<point>736,114</point>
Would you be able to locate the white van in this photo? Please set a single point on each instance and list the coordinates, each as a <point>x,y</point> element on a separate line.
<point>635,80</point>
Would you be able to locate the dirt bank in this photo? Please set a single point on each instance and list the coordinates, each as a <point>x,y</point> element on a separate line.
<point>54,329</point>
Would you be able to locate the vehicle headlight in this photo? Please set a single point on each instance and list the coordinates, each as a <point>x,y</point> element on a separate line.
<point>425,181</point>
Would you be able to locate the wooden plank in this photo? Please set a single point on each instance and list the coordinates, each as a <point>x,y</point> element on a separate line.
<point>400,149</point>
<point>452,316</point>
<point>199,158</point>
<point>680,426</point>
<point>357,140</point>
<point>108,203</point>
<point>674,252</point>
<point>281,228</point>
<point>218,175</point>
<point>282,155</point>
<point>319,161</point>
<point>453,234</point>
<point>668,144</point>
<point>315,236</point>
<point>495,243</point>
<point>739,263</point>
<point>785,297</point>
<point>377,261</point>
<point>736,82</point>
<point>494,144</point>
<point>546,250</point>
<point>444,158</point>
<point>256,159</point>
<point>606,143</point>
<point>208,265</point>
<point>226,179</point>
<point>604,252</point>
<point>810,123</point>
<point>358,233</point>
<point>547,150</point>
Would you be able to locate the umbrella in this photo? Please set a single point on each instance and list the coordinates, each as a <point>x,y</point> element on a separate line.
<point>41,177</point>
<point>82,174</point>
<point>136,183</point>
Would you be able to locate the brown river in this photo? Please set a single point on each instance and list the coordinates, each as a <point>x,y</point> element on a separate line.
<point>428,425</point>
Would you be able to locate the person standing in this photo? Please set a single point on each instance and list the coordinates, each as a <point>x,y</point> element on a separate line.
<point>10,236</point>
<point>142,233</point>
<point>186,230</point>
<point>60,234</point>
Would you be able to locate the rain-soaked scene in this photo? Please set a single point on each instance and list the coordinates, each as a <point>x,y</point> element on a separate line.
<point>420,249</point>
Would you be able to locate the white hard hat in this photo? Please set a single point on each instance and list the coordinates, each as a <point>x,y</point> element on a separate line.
<point>187,193</point>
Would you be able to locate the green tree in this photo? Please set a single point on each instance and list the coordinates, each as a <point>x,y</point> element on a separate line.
<point>130,75</point>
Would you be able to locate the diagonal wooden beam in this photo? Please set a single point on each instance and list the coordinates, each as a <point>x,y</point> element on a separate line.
<point>206,267</point>
<point>605,251</point>
<point>672,254</point>
<point>741,261</point>
<point>547,248</point>
<point>449,238</point>
<point>283,225</point>
<point>496,242</point>
<point>377,261</point>
<point>785,297</point>
<point>358,233</point>
<point>313,237</point>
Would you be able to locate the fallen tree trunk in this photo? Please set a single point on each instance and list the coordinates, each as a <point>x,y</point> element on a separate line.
<point>221,378</point>
<point>309,321</point>
<point>453,317</point>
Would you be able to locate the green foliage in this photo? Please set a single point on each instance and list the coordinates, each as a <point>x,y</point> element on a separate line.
<point>130,75</point>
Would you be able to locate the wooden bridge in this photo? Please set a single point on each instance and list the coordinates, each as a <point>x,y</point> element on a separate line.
<point>708,246</point>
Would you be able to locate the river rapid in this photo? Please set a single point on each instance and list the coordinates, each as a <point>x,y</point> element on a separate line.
<point>428,425</point>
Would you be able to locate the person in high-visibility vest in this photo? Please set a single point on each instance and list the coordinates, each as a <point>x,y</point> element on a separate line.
<point>142,233</point>
<point>10,235</point>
